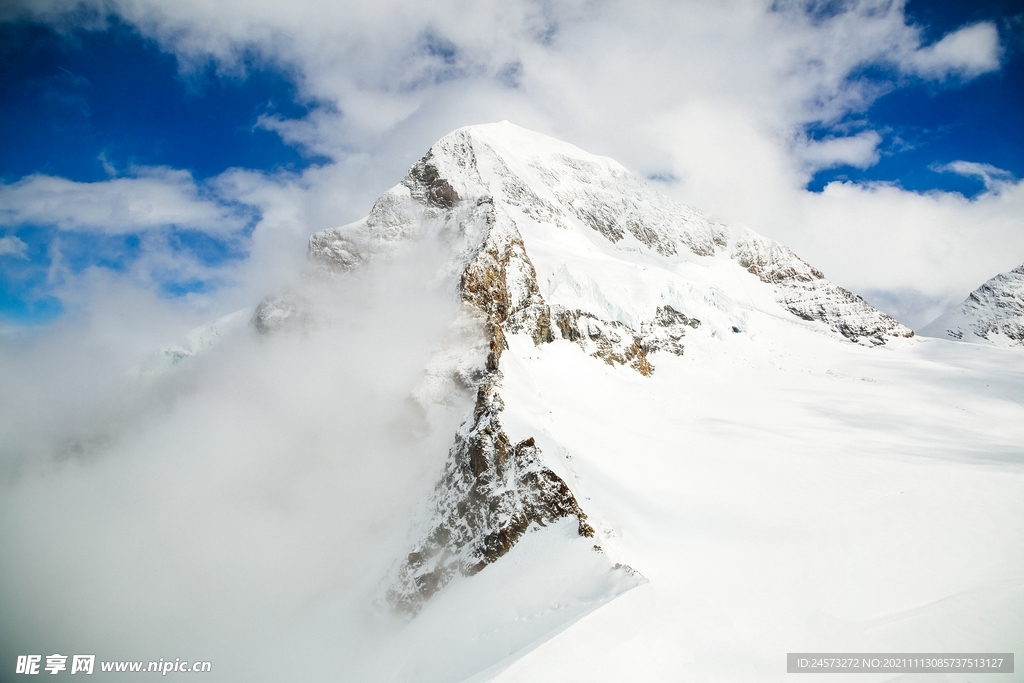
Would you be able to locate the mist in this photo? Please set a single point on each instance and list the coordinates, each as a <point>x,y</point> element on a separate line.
<point>241,507</point>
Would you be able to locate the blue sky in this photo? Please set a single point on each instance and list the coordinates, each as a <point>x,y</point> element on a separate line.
<point>73,102</point>
<point>925,125</point>
<point>91,104</point>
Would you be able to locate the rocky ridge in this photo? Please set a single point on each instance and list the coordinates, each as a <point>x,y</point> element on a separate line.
<point>493,491</point>
<point>805,292</point>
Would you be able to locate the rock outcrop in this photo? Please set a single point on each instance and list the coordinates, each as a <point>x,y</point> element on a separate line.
<point>491,491</point>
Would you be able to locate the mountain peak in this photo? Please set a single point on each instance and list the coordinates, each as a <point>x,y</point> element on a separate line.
<point>557,184</point>
<point>993,313</point>
<point>573,210</point>
<point>549,245</point>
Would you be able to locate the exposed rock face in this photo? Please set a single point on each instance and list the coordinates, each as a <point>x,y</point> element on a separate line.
<point>993,312</point>
<point>334,250</point>
<point>804,291</point>
<point>665,332</point>
<point>491,491</point>
<point>619,344</point>
<point>501,281</point>
<point>611,341</point>
<point>427,186</point>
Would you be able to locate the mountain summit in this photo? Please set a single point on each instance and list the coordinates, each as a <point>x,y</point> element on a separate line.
<point>559,208</point>
<point>550,245</point>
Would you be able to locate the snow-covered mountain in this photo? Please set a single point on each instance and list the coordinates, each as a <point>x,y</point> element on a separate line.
<point>993,313</point>
<point>558,205</point>
<point>532,421</point>
<point>551,245</point>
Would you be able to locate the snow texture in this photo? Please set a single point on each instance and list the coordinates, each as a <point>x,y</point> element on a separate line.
<point>627,382</point>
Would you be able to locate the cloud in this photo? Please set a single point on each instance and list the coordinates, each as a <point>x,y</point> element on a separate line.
<point>935,247</point>
<point>152,198</point>
<point>859,151</point>
<point>993,177</point>
<point>718,95</point>
<point>240,508</point>
<point>967,52</point>
<point>246,474</point>
<point>12,246</point>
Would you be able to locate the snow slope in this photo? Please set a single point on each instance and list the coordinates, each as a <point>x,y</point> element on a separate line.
<point>993,313</point>
<point>784,493</point>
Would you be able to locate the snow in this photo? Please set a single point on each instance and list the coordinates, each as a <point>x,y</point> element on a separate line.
<point>778,502</point>
<point>478,625</point>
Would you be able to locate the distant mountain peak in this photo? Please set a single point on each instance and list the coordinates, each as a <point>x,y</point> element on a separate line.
<point>993,313</point>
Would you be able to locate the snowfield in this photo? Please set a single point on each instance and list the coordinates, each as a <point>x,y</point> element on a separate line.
<point>531,421</point>
<point>792,496</point>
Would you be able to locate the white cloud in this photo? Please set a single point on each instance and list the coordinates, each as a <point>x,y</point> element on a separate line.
<point>993,177</point>
<point>969,51</point>
<point>715,93</point>
<point>153,198</point>
<point>12,246</point>
<point>859,151</point>
<point>939,244</point>
<point>283,467</point>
